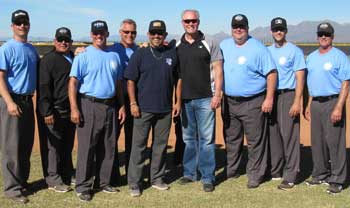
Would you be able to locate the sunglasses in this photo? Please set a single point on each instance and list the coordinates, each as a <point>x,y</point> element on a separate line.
<point>61,39</point>
<point>99,32</point>
<point>324,34</point>
<point>156,33</point>
<point>239,26</point>
<point>188,21</point>
<point>278,29</point>
<point>20,22</point>
<point>128,32</point>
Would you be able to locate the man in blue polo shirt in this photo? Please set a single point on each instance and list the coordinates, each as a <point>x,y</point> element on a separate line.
<point>18,69</point>
<point>328,74</point>
<point>94,75</point>
<point>150,76</point>
<point>249,87</point>
<point>284,121</point>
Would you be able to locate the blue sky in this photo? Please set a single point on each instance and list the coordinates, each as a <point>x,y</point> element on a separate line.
<point>47,15</point>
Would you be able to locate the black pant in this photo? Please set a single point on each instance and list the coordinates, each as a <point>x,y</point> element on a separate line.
<point>57,143</point>
<point>96,142</point>
<point>160,124</point>
<point>17,137</point>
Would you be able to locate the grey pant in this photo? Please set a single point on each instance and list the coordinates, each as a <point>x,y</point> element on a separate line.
<point>17,137</point>
<point>328,143</point>
<point>96,145</point>
<point>59,141</point>
<point>284,139</point>
<point>160,124</point>
<point>245,116</point>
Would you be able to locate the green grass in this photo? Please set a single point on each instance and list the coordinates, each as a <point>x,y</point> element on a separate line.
<point>228,193</point>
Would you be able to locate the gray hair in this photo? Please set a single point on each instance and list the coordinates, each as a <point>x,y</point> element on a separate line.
<point>128,21</point>
<point>190,10</point>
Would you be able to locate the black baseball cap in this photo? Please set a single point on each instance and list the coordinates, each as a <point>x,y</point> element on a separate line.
<point>325,27</point>
<point>18,15</point>
<point>99,25</point>
<point>239,20</point>
<point>278,23</point>
<point>157,26</point>
<point>63,32</point>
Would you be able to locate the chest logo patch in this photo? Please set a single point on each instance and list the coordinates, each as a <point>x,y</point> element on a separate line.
<point>242,60</point>
<point>113,65</point>
<point>200,46</point>
<point>169,61</point>
<point>327,66</point>
<point>282,60</point>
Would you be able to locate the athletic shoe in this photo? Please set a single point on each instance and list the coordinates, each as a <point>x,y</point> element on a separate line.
<point>19,199</point>
<point>135,191</point>
<point>334,188</point>
<point>285,185</point>
<point>60,188</point>
<point>85,196</point>
<point>110,189</point>
<point>208,187</point>
<point>315,182</point>
<point>252,184</point>
<point>160,186</point>
<point>184,180</point>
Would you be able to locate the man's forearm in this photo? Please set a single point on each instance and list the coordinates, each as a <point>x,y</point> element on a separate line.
<point>344,91</point>
<point>72,93</point>
<point>218,77</point>
<point>131,92</point>
<point>299,88</point>
<point>271,81</point>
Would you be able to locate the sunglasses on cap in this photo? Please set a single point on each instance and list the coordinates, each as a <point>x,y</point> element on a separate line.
<point>321,34</point>
<point>65,39</point>
<point>188,21</point>
<point>128,32</point>
<point>19,22</point>
<point>156,33</point>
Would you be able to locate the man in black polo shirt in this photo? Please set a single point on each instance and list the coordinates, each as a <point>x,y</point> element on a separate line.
<point>56,130</point>
<point>201,77</point>
<point>150,74</point>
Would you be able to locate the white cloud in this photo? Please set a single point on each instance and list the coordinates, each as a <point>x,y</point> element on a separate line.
<point>86,11</point>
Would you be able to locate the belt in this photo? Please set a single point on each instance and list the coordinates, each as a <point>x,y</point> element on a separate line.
<point>21,97</point>
<point>282,91</point>
<point>243,99</point>
<point>108,101</point>
<point>324,98</point>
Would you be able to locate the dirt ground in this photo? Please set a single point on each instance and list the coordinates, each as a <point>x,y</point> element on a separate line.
<point>304,132</point>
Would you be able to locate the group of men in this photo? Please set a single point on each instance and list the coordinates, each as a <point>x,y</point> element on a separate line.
<point>104,87</point>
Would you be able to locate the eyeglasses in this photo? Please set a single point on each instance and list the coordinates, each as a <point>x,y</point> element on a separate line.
<point>188,21</point>
<point>156,33</point>
<point>20,22</point>
<point>102,32</point>
<point>128,32</point>
<point>324,34</point>
<point>278,29</point>
<point>61,39</point>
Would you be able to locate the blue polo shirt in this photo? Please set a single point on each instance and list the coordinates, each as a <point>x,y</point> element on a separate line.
<point>97,71</point>
<point>245,67</point>
<point>288,59</point>
<point>124,55</point>
<point>154,75</point>
<point>326,72</point>
<point>20,61</point>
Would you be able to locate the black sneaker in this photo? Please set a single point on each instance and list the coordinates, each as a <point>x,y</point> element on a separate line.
<point>315,182</point>
<point>208,187</point>
<point>252,184</point>
<point>85,196</point>
<point>19,199</point>
<point>60,188</point>
<point>184,180</point>
<point>334,188</point>
<point>161,186</point>
<point>110,189</point>
<point>285,185</point>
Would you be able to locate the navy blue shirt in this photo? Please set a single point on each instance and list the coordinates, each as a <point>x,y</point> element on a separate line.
<point>153,71</point>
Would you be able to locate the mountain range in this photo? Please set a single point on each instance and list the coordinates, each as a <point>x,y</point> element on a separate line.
<point>304,32</point>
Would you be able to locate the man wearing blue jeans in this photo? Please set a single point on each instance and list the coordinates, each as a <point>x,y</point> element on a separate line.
<point>200,63</point>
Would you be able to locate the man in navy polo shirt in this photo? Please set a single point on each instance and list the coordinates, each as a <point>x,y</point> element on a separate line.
<point>200,66</point>
<point>150,76</point>
<point>250,81</point>
<point>328,74</point>
<point>18,69</point>
<point>94,75</point>
<point>284,121</point>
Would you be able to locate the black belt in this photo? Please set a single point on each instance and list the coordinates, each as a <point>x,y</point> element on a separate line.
<point>243,99</point>
<point>282,91</point>
<point>324,98</point>
<point>21,97</point>
<point>108,101</point>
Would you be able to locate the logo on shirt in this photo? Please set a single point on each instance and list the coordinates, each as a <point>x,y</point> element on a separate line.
<point>200,46</point>
<point>169,61</point>
<point>242,60</point>
<point>327,66</point>
<point>113,65</point>
<point>282,60</point>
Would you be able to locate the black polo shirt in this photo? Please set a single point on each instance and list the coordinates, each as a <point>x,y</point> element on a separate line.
<point>195,66</point>
<point>154,72</point>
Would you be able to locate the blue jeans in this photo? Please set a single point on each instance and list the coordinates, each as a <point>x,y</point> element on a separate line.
<point>198,123</point>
